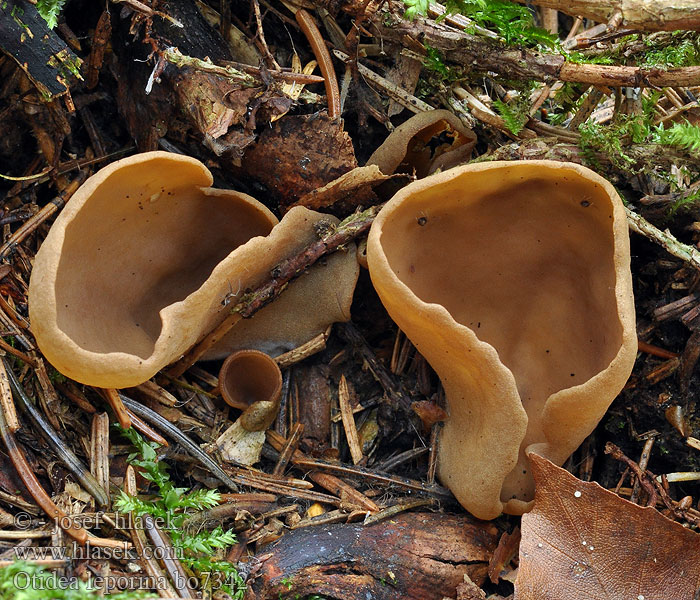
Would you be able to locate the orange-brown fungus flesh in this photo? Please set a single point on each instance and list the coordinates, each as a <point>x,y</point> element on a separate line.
<point>145,260</point>
<point>248,376</point>
<point>513,280</point>
<point>426,142</point>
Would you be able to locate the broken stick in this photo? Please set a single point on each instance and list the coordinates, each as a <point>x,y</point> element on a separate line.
<point>251,302</point>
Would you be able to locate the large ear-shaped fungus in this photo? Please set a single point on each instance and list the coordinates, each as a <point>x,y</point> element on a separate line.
<point>513,280</point>
<point>146,259</point>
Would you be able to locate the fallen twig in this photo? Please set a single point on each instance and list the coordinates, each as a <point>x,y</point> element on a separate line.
<point>665,239</point>
<point>650,15</point>
<point>345,232</point>
<point>484,55</point>
<point>165,549</point>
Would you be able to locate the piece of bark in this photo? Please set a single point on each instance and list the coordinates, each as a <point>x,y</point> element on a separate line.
<point>41,54</point>
<point>405,73</point>
<point>212,105</point>
<point>314,406</point>
<point>348,192</point>
<point>416,556</point>
<point>468,590</point>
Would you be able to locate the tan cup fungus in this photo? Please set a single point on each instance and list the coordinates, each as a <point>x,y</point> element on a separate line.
<point>146,259</point>
<point>513,280</point>
<point>412,146</point>
<point>251,381</point>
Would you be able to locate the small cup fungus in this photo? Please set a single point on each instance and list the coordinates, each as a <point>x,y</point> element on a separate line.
<point>146,259</point>
<point>251,381</point>
<point>513,280</point>
<point>428,141</point>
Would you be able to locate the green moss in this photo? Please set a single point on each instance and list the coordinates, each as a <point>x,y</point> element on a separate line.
<point>49,10</point>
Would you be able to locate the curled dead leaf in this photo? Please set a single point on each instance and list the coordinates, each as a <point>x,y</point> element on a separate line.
<point>581,541</point>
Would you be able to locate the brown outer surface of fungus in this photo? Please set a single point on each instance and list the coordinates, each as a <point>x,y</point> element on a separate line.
<point>513,280</point>
<point>308,305</point>
<point>136,268</point>
<point>408,147</point>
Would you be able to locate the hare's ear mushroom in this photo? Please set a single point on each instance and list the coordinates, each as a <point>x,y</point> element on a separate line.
<point>428,141</point>
<point>138,265</point>
<point>513,280</point>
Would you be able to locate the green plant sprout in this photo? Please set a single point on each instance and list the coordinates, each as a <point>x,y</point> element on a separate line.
<point>173,506</point>
<point>513,22</point>
<point>682,135</point>
<point>514,114</point>
<point>682,50</point>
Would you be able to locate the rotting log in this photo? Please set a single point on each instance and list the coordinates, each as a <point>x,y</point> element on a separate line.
<point>41,54</point>
<point>418,556</point>
<point>649,15</point>
<point>483,55</point>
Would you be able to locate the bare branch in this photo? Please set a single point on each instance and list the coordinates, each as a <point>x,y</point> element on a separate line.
<point>649,15</point>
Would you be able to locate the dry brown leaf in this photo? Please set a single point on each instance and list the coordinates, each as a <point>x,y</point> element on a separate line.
<point>583,542</point>
<point>505,552</point>
<point>428,412</point>
<point>299,154</point>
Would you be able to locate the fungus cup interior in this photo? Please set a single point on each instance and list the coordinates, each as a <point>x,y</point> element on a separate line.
<point>513,275</point>
<point>426,142</point>
<point>513,263</point>
<point>138,255</point>
<point>248,376</point>
<point>145,260</point>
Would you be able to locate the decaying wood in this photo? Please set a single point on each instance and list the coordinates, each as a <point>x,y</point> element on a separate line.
<point>7,405</point>
<point>650,15</point>
<point>299,353</point>
<point>99,450</point>
<point>46,59</point>
<point>666,239</point>
<point>483,55</point>
<point>349,421</point>
<point>430,554</point>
